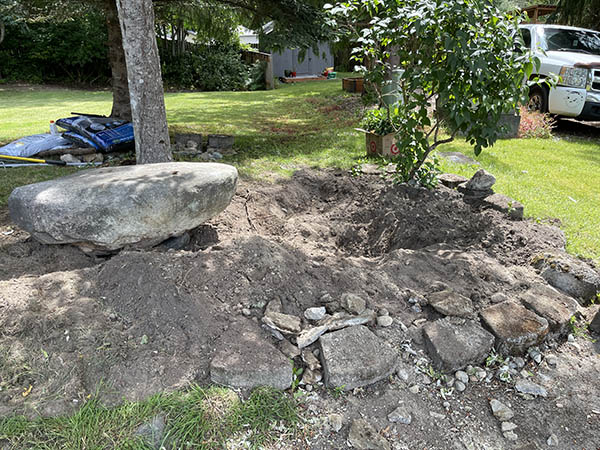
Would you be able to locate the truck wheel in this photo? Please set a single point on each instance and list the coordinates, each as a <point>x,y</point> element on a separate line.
<point>538,99</point>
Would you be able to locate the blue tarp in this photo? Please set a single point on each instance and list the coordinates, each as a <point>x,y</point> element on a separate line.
<point>32,145</point>
<point>107,133</point>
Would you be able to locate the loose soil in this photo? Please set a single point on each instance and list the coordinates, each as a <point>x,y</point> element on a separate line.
<point>142,322</point>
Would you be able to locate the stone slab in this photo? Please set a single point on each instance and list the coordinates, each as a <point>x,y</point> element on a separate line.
<point>454,343</point>
<point>516,328</point>
<point>130,206</point>
<point>354,357</point>
<point>506,205</point>
<point>450,303</point>
<point>245,359</point>
<point>451,180</point>
<point>556,313</point>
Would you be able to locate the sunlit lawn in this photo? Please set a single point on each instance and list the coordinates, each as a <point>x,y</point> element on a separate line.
<point>302,125</point>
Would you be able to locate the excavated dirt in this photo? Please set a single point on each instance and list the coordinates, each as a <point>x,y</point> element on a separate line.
<point>141,322</point>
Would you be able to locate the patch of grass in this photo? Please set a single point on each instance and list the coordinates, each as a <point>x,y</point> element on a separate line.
<point>553,179</point>
<point>199,417</point>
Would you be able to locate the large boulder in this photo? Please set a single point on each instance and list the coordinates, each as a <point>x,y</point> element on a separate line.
<point>115,207</point>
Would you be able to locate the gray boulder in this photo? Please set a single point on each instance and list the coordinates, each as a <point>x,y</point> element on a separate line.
<point>450,303</point>
<point>481,181</point>
<point>245,359</point>
<point>355,357</point>
<point>116,207</point>
<point>569,275</point>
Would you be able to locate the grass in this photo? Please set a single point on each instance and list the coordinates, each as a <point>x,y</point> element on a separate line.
<point>203,418</point>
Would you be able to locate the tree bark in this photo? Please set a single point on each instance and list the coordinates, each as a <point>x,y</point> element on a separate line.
<point>2,30</point>
<point>121,107</point>
<point>145,83</point>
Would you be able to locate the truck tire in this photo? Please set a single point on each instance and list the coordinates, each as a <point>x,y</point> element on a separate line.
<point>538,99</point>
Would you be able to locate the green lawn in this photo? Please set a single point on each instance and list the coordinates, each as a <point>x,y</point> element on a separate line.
<point>312,124</point>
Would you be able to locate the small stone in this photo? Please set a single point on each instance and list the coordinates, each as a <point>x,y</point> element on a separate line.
<point>384,312</point>
<point>498,297</point>
<point>501,411</point>
<point>315,314</point>
<point>274,306</point>
<point>460,386</point>
<point>273,332</point>
<point>451,180</point>
<point>336,422</point>
<point>285,323</point>
<point>311,376</point>
<point>462,376</point>
<point>414,389</point>
<point>152,433</point>
<point>70,159</point>
<point>551,360</point>
<point>353,303</point>
<point>519,362</point>
<point>508,426</point>
<point>529,387</point>
<point>400,415</point>
<point>246,312</point>
<point>363,436</point>
<point>310,335</point>
<point>595,323</point>
<point>570,338</point>
<point>332,307</point>
<point>480,374</point>
<point>310,360</point>
<point>511,436</point>
<point>552,440</point>
<point>384,321</point>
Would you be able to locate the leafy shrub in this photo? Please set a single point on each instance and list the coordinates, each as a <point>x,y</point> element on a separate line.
<point>535,124</point>
<point>257,80</point>
<point>381,121</point>
<point>212,67</point>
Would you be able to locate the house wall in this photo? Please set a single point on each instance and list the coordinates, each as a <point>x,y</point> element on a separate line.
<point>311,65</point>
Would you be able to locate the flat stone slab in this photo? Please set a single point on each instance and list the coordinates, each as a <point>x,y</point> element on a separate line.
<point>552,309</point>
<point>516,328</point>
<point>458,158</point>
<point>450,303</point>
<point>451,180</point>
<point>354,357</point>
<point>116,207</point>
<point>454,343</point>
<point>245,359</point>
<point>505,204</point>
<point>569,275</point>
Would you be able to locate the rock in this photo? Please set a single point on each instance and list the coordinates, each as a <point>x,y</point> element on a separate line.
<point>70,159</point>
<point>511,436</point>
<point>481,181</point>
<point>595,323</point>
<point>177,242</point>
<point>152,433</point>
<point>289,349</point>
<point>498,297</point>
<point>310,335</point>
<point>273,332</point>
<point>114,207</point>
<point>400,415</point>
<point>450,303</point>
<point>462,376</point>
<point>515,327</point>
<point>244,359</point>
<point>355,357</point>
<point>451,180</point>
<point>285,323</point>
<point>460,386</point>
<point>506,205</point>
<point>274,306</point>
<point>501,411</point>
<point>332,307</point>
<point>508,426</point>
<point>529,387</point>
<point>311,376</point>
<point>458,158</point>
<point>384,321</point>
<point>336,422</point>
<point>246,312</point>
<point>454,343</point>
<point>315,314</point>
<point>363,436</point>
<point>414,389</point>
<point>552,310</point>
<point>353,303</point>
<point>569,275</point>
<point>552,440</point>
<point>551,360</point>
<point>340,321</point>
<point>310,360</point>
<point>182,139</point>
<point>221,141</point>
<point>370,169</point>
<point>93,157</point>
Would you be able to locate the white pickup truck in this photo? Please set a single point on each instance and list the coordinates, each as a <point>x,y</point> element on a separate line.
<point>574,54</point>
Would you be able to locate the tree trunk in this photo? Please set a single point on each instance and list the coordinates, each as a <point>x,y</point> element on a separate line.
<point>121,107</point>
<point>145,84</point>
<point>2,30</point>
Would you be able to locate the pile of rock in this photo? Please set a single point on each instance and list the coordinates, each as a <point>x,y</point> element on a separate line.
<point>191,145</point>
<point>478,189</point>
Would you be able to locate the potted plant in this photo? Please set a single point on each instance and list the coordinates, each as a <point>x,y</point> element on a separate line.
<point>379,126</point>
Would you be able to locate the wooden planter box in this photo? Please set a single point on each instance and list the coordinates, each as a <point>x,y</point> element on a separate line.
<point>381,145</point>
<point>353,85</point>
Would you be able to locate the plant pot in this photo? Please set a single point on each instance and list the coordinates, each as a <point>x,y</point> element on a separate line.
<point>381,145</point>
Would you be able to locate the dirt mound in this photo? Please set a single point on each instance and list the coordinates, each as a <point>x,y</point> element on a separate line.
<point>143,322</point>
